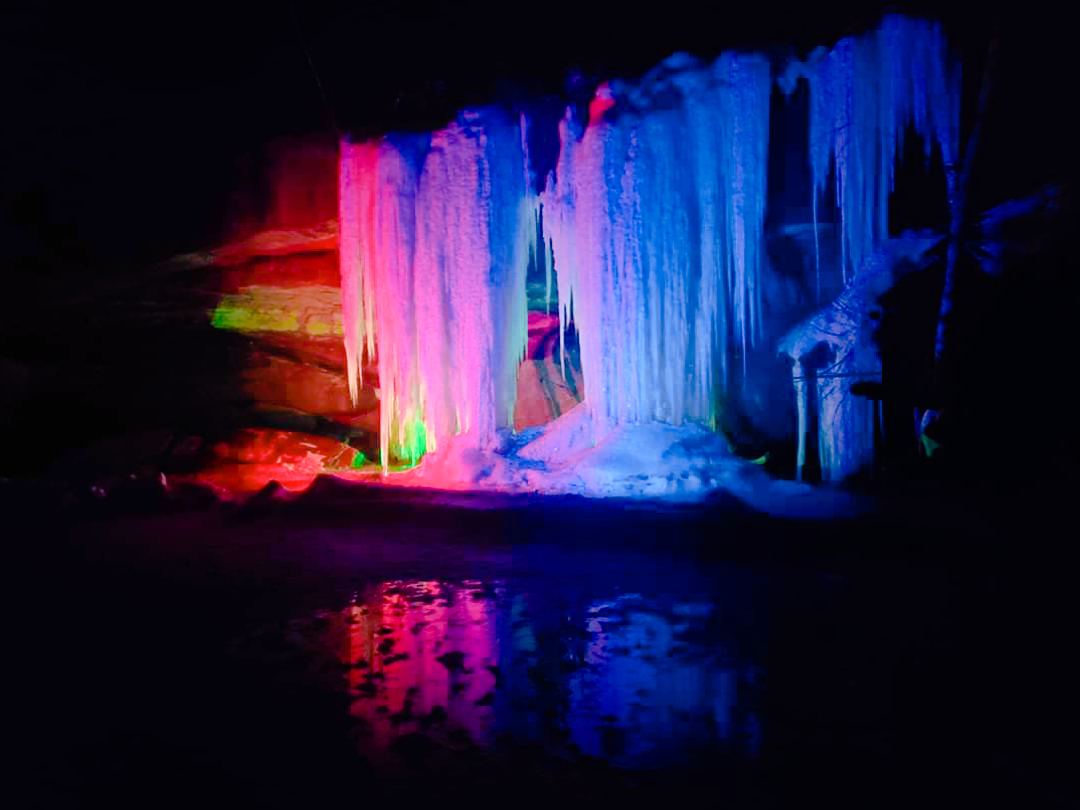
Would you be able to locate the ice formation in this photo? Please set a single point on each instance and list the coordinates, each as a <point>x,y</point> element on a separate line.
<point>845,426</point>
<point>435,234</point>
<point>653,220</point>
<point>864,93</point>
<point>656,215</point>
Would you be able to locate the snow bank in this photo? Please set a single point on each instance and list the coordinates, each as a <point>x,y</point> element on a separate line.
<point>653,460</point>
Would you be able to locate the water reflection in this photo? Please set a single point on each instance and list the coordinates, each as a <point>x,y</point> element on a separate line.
<point>647,673</point>
<point>636,680</point>
<point>419,654</point>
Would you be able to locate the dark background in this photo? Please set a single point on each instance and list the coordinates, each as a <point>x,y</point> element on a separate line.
<point>125,131</point>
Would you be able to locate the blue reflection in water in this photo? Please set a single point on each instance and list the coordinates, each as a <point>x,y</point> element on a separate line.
<point>654,692</point>
<point>638,680</point>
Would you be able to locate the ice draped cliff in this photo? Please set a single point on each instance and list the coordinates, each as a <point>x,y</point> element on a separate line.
<point>653,219</point>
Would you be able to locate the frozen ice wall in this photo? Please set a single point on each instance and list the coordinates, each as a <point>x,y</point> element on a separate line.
<point>864,94</point>
<point>435,234</point>
<point>845,429</point>
<point>656,215</point>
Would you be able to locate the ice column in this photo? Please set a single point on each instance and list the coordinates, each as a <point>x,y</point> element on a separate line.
<point>656,216</point>
<point>435,234</point>
<point>864,93</point>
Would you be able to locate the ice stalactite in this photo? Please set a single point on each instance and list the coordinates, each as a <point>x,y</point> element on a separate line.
<point>745,150</point>
<point>444,224</point>
<point>350,163</point>
<point>845,428</point>
<point>656,215</point>
<point>652,220</point>
<point>379,190</point>
<point>864,93</point>
<point>802,406</point>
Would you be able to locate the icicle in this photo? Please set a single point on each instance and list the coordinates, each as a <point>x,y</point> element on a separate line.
<point>799,376</point>
<point>745,152</point>
<point>443,225</point>
<point>351,280</point>
<point>559,199</point>
<point>546,254</point>
<point>864,93</point>
<point>655,214</point>
<point>817,253</point>
<point>388,246</point>
<point>657,222</point>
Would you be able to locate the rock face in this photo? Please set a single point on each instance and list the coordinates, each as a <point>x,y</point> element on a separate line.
<point>240,335</point>
<point>544,393</point>
<point>277,287</point>
<point>290,184</point>
<point>289,310</point>
<point>236,347</point>
<point>251,459</point>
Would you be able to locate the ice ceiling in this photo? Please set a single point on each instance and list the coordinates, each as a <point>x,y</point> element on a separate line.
<point>653,220</point>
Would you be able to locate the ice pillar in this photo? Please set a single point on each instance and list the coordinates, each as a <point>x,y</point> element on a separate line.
<point>435,234</point>
<point>656,216</point>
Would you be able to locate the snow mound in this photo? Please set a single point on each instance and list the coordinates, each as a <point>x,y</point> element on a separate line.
<point>652,460</point>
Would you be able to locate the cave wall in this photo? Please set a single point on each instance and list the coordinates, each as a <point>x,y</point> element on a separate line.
<point>276,284</point>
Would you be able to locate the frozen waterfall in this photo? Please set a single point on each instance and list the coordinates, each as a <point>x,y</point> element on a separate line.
<point>653,219</point>
<point>656,214</point>
<point>435,234</point>
<point>864,94</point>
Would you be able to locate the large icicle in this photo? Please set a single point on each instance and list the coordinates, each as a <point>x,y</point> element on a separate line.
<point>444,224</point>
<point>744,151</point>
<point>352,295</point>
<point>864,93</point>
<point>656,216</point>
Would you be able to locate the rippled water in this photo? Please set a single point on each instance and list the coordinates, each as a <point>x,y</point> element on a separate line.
<point>287,661</point>
<point>638,680</point>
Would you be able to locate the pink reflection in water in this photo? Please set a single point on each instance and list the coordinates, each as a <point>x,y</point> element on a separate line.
<point>419,657</point>
<point>639,682</point>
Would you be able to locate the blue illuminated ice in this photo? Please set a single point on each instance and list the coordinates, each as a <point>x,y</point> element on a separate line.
<point>656,215</point>
<point>653,223</point>
<point>865,92</point>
